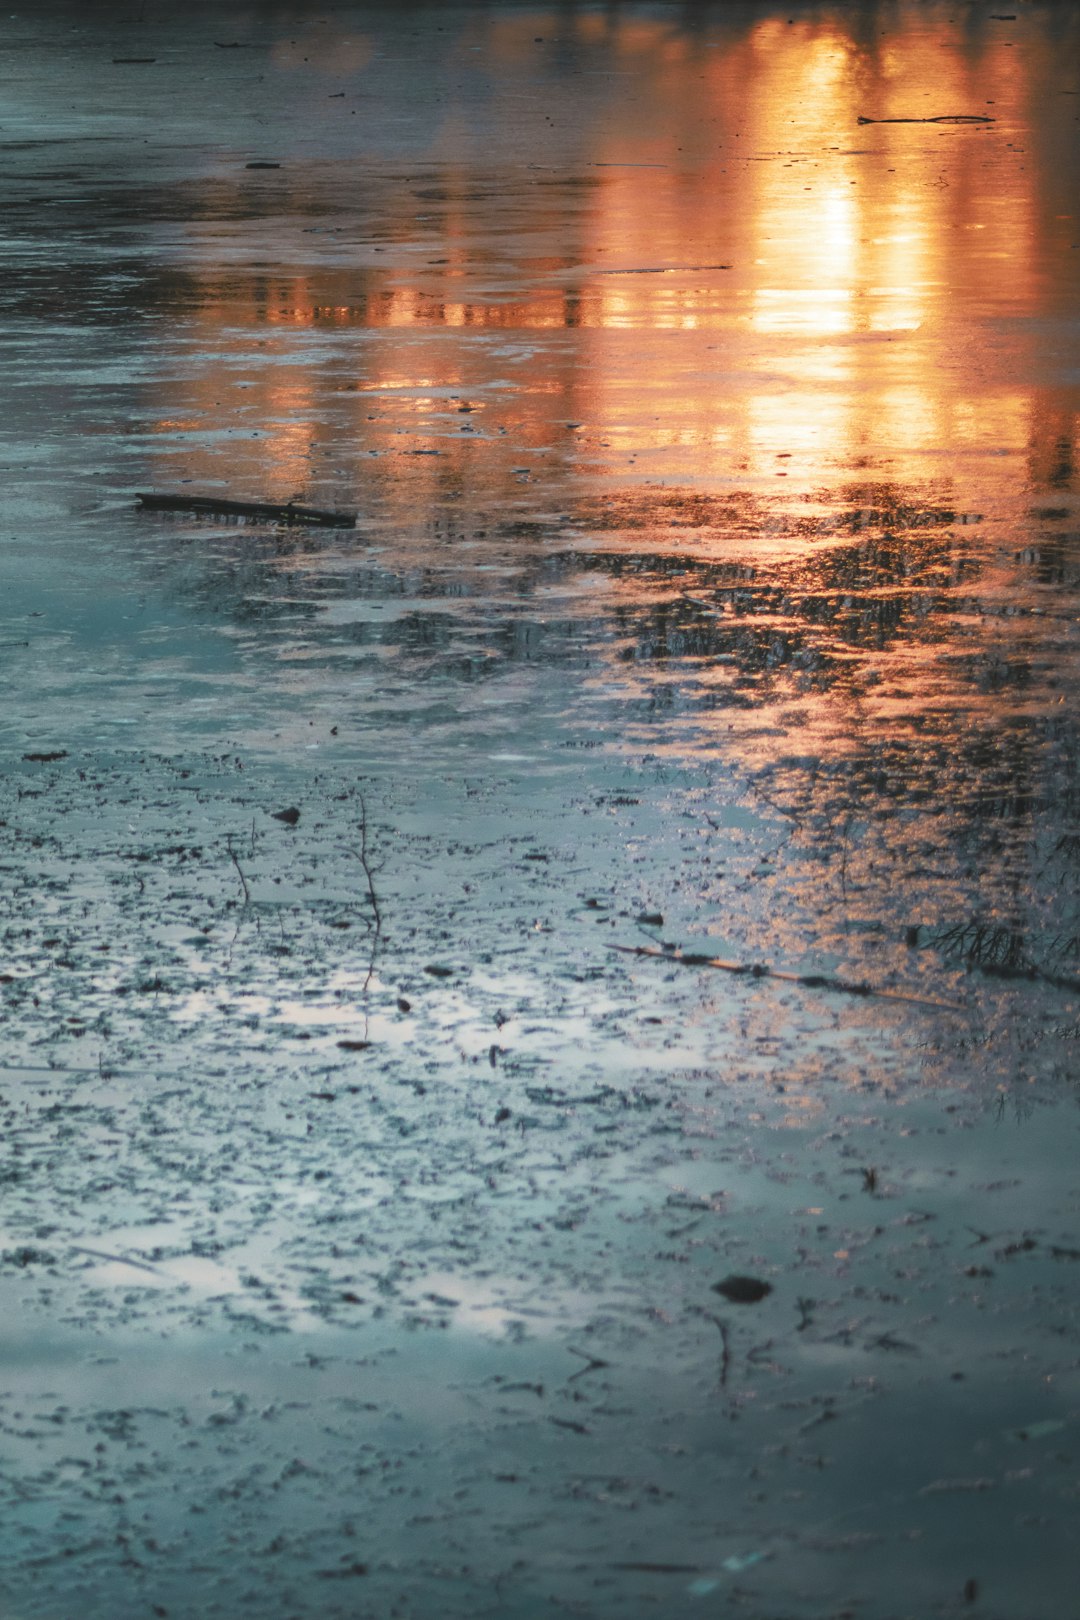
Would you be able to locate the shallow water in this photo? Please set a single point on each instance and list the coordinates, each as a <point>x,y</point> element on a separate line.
<point>715,583</point>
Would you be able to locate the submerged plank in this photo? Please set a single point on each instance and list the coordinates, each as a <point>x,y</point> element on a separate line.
<point>219,506</point>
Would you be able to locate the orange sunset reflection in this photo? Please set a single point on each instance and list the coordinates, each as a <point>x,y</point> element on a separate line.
<point>747,270</point>
<point>706,393</point>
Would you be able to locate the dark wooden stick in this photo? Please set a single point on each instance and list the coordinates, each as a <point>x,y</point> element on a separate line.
<point>941,118</point>
<point>218,505</point>
<point>757,970</point>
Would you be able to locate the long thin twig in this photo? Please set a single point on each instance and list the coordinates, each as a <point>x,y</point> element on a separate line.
<point>940,118</point>
<point>725,1341</point>
<point>219,506</point>
<point>239,870</point>
<point>373,898</point>
<point>366,865</point>
<point>757,970</point>
<point>117,1259</point>
<point>592,1363</point>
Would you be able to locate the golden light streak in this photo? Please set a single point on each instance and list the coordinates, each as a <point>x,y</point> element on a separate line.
<point>749,272</point>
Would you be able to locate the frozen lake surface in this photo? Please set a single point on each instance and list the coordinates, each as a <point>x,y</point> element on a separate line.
<point>705,382</point>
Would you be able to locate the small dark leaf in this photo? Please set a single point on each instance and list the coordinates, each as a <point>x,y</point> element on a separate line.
<point>290,816</point>
<point>743,1290</point>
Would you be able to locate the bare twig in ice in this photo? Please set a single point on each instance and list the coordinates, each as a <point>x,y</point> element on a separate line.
<point>373,898</point>
<point>592,1363</point>
<point>239,870</point>
<point>939,118</point>
<point>247,893</point>
<point>116,1259</point>
<point>219,506</point>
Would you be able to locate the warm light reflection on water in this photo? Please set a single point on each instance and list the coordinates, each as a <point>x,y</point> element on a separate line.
<point>696,412</point>
<point>757,403</point>
<point>715,582</point>
<point>789,282</point>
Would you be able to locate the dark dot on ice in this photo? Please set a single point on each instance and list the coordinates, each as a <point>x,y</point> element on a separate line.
<point>743,1290</point>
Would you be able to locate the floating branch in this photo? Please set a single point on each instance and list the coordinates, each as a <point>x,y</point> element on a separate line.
<point>940,118</point>
<point>277,511</point>
<point>757,970</point>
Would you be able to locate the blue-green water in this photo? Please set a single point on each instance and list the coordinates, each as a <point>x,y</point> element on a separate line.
<point>704,381</point>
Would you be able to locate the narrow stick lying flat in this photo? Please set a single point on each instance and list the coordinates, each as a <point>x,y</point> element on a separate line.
<point>117,1259</point>
<point>757,970</point>
<point>941,118</point>
<point>278,511</point>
